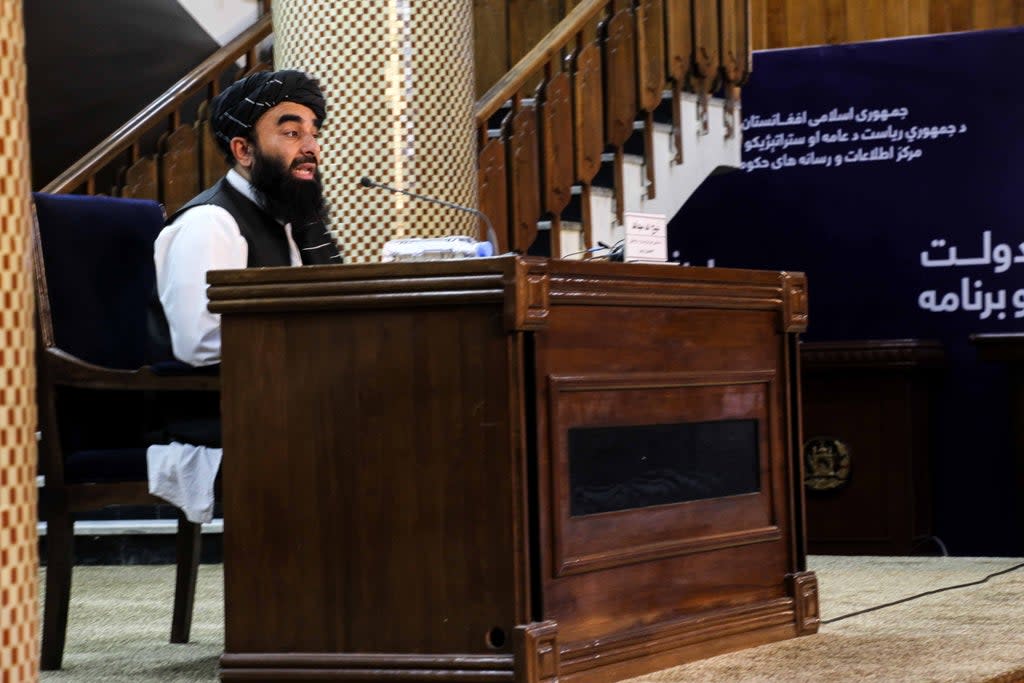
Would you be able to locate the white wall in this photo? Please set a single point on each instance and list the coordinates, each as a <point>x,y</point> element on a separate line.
<point>223,19</point>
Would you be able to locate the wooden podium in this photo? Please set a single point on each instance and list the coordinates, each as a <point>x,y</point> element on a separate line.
<point>508,469</point>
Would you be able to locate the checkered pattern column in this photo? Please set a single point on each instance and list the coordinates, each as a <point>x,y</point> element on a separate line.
<point>19,562</point>
<point>398,76</point>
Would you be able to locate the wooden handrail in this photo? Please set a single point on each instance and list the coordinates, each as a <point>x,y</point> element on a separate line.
<point>153,114</point>
<point>544,51</point>
<point>546,151</point>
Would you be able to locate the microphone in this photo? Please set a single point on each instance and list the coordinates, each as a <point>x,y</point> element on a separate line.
<point>492,237</point>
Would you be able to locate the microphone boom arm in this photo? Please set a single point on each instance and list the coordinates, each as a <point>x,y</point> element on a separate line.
<point>492,236</point>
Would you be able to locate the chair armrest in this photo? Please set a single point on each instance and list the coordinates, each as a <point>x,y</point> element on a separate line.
<point>67,370</point>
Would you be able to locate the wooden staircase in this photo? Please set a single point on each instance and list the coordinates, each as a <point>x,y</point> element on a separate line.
<point>612,111</point>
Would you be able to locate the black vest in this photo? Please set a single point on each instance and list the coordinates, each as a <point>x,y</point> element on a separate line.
<point>268,246</point>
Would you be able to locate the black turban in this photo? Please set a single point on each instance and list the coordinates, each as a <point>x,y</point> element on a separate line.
<point>235,111</point>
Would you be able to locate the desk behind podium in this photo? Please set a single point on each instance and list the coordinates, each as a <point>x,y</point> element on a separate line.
<point>1007,348</point>
<point>508,469</point>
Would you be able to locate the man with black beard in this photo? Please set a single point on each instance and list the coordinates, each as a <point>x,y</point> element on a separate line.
<point>268,210</point>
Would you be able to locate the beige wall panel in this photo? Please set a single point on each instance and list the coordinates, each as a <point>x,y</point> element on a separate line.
<point>398,76</point>
<point>19,562</point>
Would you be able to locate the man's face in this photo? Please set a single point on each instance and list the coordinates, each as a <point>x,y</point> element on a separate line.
<point>283,164</point>
<point>288,133</point>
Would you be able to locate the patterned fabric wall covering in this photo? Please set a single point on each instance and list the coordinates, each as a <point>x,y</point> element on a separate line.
<point>19,562</point>
<point>399,81</point>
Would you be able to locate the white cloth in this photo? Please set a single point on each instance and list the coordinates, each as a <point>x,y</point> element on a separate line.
<point>184,475</point>
<point>203,238</point>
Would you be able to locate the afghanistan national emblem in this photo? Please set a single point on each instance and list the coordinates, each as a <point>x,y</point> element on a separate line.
<point>826,463</point>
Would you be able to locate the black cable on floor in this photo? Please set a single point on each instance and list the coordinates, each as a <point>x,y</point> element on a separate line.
<point>921,595</point>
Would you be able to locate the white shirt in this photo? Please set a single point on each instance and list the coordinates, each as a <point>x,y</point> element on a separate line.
<point>202,239</point>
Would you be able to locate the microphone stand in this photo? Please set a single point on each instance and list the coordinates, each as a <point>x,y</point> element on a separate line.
<point>492,236</point>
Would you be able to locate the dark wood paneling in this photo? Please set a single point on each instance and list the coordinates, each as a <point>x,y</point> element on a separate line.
<point>528,22</point>
<point>791,23</point>
<point>917,18</point>
<point>1006,12</point>
<point>776,31</point>
<point>962,14</point>
<point>875,19</point>
<point>491,47</point>
<point>938,17</point>
<point>896,17</point>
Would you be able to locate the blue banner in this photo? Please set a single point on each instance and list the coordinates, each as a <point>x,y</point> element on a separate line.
<point>892,173</point>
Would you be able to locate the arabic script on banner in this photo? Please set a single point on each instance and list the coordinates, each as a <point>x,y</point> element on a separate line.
<point>975,292</point>
<point>838,137</point>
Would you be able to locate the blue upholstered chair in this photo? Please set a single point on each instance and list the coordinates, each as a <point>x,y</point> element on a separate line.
<point>94,279</point>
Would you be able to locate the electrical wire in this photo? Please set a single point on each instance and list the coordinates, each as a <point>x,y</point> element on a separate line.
<point>600,247</point>
<point>921,595</point>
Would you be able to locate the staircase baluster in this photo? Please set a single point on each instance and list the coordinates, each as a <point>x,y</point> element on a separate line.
<point>679,58</point>
<point>557,142</point>
<point>735,50</point>
<point>179,167</point>
<point>650,46</point>
<point>587,98</point>
<point>492,178</point>
<point>525,176</point>
<point>707,58</point>
<point>620,92</point>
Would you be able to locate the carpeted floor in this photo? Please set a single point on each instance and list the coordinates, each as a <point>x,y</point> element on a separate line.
<point>120,617</point>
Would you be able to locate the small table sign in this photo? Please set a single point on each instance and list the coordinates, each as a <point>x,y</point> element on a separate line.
<point>646,238</point>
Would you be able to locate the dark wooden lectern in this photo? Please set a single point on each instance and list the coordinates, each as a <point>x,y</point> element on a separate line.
<point>508,469</point>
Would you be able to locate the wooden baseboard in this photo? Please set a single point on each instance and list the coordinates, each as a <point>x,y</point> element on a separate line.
<point>540,658</point>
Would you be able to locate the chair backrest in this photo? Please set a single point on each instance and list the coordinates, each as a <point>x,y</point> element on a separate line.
<point>98,278</point>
